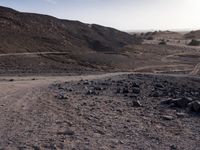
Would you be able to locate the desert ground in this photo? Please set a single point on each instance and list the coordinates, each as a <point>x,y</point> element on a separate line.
<point>73,86</point>
<point>98,109</point>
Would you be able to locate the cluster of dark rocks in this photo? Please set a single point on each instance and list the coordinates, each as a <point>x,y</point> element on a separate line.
<point>135,88</point>
<point>184,102</point>
<point>177,95</point>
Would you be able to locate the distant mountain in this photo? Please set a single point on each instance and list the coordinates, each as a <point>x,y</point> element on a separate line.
<point>193,35</point>
<point>162,35</point>
<point>27,32</point>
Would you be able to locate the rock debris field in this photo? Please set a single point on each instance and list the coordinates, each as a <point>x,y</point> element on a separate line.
<point>131,112</point>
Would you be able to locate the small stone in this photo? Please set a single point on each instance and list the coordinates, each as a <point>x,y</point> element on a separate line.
<point>98,88</point>
<point>36,147</point>
<point>194,106</point>
<point>86,82</point>
<point>136,104</point>
<point>125,90</point>
<point>100,132</point>
<point>182,102</point>
<point>90,92</point>
<point>22,147</point>
<point>167,101</point>
<point>62,96</point>
<point>166,117</point>
<point>121,142</point>
<point>118,90</point>
<point>180,114</point>
<point>136,85</point>
<point>136,91</point>
<point>155,94</point>
<point>50,146</point>
<point>159,86</point>
<point>173,147</point>
<point>66,132</point>
<point>69,89</point>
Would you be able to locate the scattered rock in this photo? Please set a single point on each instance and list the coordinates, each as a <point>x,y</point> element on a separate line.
<point>118,90</point>
<point>180,114</point>
<point>69,89</point>
<point>167,117</point>
<point>194,106</point>
<point>100,132</point>
<point>66,132</point>
<point>62,96</point>
<point>182,102</point>
<point>36,147</point>
<point>98,88</point>
<point>86,82</point>
<point>179,102</point>
<point>167,101</point>
<point>136,91</point>
<point>159,85</point>
<point>136,104</point>
<point>136,85</point>
<point>173,147</point>
<point>91,92</point>
<point>22,147</point>
<point>125,91</point>
<point>50,146</point>
<point>156,94</point>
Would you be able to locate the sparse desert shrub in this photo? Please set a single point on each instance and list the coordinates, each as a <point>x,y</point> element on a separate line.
<point>194,43</point>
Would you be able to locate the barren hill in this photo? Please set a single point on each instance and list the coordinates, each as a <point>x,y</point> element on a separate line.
<point>37,43</point>
<point>163,35</point>
<point>27,32</point>
<point>193,35</point>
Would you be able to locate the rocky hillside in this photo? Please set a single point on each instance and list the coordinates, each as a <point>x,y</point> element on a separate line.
<point>193,34</point>
<point>27,32</point>
<point>162,35</point>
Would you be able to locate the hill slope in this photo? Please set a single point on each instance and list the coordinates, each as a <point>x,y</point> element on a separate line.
<point>26,32</point>
<point>193,34</point>
<point>64,46</point>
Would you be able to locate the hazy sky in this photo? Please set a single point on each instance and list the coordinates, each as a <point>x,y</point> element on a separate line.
<point>120,14</point>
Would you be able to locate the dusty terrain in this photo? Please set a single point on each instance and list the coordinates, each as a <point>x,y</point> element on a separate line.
<point>109,111</point>
<point>69,85</point>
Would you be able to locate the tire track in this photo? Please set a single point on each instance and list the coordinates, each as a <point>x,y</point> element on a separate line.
<point>196,70</point>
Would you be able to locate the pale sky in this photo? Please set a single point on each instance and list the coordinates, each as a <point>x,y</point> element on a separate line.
<point>120,14</point>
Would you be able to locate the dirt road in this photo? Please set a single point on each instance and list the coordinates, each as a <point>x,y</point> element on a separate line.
<point>26,105</point>
<point>34,53</point>
<point>10,85</point>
